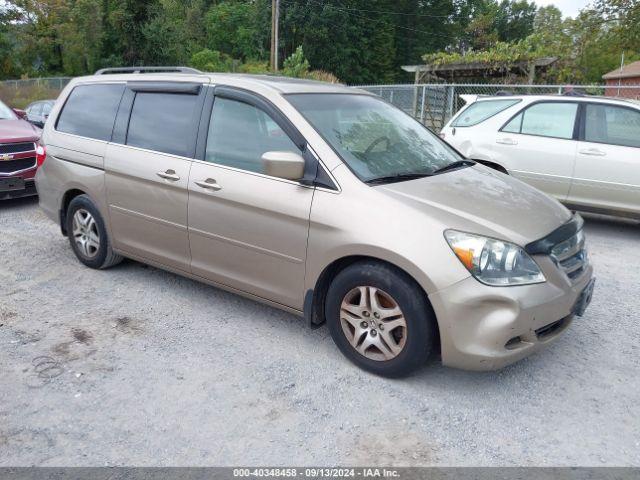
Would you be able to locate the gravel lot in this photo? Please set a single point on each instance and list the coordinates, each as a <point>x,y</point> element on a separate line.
<point>136,366</point>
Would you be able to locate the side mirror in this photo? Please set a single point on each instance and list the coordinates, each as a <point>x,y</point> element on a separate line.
<point>288,165</point>
<point>20,113</point>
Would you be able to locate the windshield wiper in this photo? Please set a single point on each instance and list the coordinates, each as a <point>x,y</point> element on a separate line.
<point>399,177</point>
<point>454,166</point>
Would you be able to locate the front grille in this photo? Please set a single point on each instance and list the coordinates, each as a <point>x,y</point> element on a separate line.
<point>571,256</point>
<point>17,147</point>
<point>11,166</point>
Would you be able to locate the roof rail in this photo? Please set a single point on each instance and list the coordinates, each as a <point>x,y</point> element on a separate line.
<point>114,70</point>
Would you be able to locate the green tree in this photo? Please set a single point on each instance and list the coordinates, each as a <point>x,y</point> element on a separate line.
<point>623,17</point>
<point>8,66</point>
<point>231,27</point>
<point>515,20</point>
<point>211,61</point>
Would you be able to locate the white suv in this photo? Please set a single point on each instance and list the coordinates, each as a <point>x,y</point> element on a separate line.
<point>584,151</point>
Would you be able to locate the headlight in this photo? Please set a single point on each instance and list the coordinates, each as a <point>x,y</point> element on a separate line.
<point>492,261</point>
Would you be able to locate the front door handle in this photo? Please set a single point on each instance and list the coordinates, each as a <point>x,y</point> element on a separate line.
<point>169,175</point>
<point>507,141</point>
<point>593,151</point>
<point>209,184</point>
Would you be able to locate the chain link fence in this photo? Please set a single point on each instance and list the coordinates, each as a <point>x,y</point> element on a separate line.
<point>431,104</point>
<point>20,93</point>
<point>434,104</point>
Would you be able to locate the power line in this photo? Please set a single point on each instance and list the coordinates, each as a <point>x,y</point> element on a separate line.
<point>388,12</point>
<point>378,21</point>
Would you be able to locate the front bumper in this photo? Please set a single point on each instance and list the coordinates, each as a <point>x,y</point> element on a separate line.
<point>28,190</point>
<point>487,328</point>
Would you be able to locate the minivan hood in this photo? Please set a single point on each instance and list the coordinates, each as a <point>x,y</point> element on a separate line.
<point>17,131</point>
<point>484,201</point>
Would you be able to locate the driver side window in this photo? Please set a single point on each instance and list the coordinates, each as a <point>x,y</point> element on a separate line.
<point>239,134</point>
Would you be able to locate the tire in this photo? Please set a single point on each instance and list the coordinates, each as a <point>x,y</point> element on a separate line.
<point>390,351</point>
<point>85,222</point>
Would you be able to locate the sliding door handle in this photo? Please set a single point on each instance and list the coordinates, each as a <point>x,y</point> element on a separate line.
<point>209,184</point>
<point>168,175</point>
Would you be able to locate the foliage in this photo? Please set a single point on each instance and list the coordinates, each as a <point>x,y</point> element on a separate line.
<point>586,47</point>
<point>211,61</point>
<point>231,28</point>
<point>358,41</point>
<point>624,18</point>
<point>23,96</point>
<point>500,53</point>
<point>296,65</point>
<point>254,67</point>
<point>322,76</point>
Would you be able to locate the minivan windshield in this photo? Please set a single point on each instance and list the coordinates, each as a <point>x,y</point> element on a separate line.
<point>375,139</point>
<point>6,113</point>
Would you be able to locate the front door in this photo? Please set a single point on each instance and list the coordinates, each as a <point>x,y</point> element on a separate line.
<point>247,230</point>
<point>146,175</point>
<point>607,171</point>
<point>539,143</point>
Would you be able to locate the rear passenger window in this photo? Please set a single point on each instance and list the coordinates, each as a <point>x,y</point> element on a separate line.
<point>612,125</point>
<point>480,111</point>
<point>90,111</point>
<point>162,122</point>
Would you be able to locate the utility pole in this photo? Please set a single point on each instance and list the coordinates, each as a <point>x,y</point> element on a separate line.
<point>275,14</point>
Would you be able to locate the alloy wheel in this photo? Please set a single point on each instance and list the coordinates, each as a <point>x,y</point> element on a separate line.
<point>85,233</point>
<point>373,323</point>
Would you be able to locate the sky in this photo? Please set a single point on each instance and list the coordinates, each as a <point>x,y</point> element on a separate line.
<point>569,8</point>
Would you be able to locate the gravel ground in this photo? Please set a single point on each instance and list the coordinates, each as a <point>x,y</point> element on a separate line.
<point>136,366</point>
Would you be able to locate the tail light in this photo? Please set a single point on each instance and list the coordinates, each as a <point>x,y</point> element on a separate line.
<point>41,154</point>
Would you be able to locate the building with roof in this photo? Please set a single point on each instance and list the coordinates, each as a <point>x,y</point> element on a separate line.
<point>627,76</point>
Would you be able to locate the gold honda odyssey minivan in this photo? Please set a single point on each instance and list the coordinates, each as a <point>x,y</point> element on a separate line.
<point>319,199</point>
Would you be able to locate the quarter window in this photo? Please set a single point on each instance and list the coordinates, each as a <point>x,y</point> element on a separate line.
<point>239,134</point>
<point>551,119</point>
<point>514,125</point>
<point>90,111</point>
<point>480,111</point>
<point>163,122</point>
<point>612,125</point>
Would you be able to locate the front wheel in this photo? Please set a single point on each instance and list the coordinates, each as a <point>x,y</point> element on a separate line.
<point>380,319</point>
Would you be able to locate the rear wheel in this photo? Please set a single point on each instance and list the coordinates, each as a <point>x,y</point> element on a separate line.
<point>380,319</point>
<point>88,235</point>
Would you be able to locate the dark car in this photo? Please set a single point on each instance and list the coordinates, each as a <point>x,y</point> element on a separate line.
<point>38,112</point>
<point>20,154</point>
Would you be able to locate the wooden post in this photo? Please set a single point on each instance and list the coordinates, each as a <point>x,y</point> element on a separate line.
<point>532,73</point>
<point>416,80</point>
<point>275,13</point>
